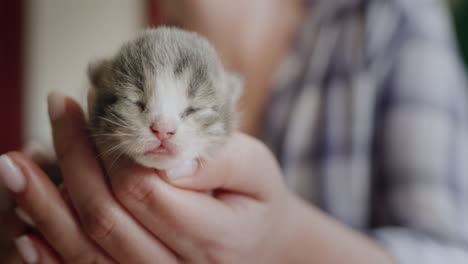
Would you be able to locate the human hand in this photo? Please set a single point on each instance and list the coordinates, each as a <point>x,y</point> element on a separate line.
<point>63,222</point>
<point>240,222</point>
<point>10,227</point>
<point>224,212</point>
<point>234,209</point>
<point>12,218</point>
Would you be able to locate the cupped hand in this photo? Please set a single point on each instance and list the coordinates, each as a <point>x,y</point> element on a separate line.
<point>232,209</point>
<point>86,224</point>
<point>11,225</point>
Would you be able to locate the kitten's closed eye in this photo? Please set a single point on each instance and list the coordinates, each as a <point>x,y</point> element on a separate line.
<point>108,100</point>
<point>190,110</point>
<point>141,105</point>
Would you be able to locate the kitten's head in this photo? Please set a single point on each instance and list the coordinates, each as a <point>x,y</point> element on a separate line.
<point>163,99</point>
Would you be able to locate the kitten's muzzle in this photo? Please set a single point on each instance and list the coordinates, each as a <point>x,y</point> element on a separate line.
<point>163,130</point>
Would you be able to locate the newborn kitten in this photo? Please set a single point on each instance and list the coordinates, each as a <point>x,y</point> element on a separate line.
<point>163,99</point>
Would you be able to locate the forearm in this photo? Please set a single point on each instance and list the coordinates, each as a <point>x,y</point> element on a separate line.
<point>317,238</point>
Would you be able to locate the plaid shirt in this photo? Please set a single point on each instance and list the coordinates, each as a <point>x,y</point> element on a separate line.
<point>368,119</point>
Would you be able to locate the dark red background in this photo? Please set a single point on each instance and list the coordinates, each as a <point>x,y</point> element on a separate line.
<point>11,70</point>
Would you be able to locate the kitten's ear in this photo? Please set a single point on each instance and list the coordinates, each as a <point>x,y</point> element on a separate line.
<point>97,72</point>
<point>235,84</point>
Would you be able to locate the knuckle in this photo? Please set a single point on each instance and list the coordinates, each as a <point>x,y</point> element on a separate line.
<point>139,189</point>
<point>260,151</point>
<point>261,148</point>
<point>99,220</point>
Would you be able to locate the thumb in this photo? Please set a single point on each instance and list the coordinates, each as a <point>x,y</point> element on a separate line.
<point>242,165</point>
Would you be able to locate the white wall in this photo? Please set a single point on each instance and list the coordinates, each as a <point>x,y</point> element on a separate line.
<point>62,36</point>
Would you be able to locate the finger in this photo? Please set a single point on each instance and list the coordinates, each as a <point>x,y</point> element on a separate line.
<point>182,219</point>
<point>243,165</point>
<point>45,254</point>
<point>26,249</point>
<point>102,217</point>
<point>10,227</point>
<point>44,208</point>
<point>148,198</point>
<point>33,250</point>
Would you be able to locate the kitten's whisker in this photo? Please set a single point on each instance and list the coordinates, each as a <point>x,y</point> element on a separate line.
<point>201,163</point>
<point>112,149</point>
<point>114,122</point>
<point>117,117</point>
<point>112,135</point>
<point>115,159</point>
<point>122,121</point>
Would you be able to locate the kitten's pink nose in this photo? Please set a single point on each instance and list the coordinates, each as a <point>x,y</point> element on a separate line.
<point>163,130</point>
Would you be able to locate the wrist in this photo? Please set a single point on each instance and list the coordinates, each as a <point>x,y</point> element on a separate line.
<point>297,232</point>
<point>313,236</point>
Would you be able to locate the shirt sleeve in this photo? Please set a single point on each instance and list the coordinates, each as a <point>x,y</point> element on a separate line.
<point>422,142</point>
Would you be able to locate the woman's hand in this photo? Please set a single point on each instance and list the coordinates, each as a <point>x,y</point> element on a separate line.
<point>74,228</point>
<point>145,219</point>
<point>233,209</point>
<point>11,225</point>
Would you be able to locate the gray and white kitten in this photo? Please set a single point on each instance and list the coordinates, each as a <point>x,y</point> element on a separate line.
<point>163,99</point>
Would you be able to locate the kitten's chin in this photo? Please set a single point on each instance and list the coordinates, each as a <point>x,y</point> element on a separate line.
<point>160,162</point>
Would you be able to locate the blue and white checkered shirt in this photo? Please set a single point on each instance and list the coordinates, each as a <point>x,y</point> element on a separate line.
<point>368,119</point>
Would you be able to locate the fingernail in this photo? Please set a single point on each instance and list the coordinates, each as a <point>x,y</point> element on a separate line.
<point>24,216</point>
<point>26,250</point>
<point>11,175</point>
<point>184,170</point>
<point>56,103</point>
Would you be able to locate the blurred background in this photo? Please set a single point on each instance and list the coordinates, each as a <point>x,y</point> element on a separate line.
<point>46,45</point>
